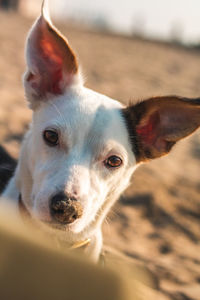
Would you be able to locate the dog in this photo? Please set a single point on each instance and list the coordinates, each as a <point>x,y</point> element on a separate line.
<point>82,147</point>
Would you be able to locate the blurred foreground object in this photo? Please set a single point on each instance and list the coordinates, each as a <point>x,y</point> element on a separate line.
<point>32,268</point>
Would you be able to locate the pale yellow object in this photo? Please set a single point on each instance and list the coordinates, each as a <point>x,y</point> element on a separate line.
<point>34,269</point>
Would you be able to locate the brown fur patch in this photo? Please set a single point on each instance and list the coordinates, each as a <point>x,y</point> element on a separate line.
<point>156,124</point>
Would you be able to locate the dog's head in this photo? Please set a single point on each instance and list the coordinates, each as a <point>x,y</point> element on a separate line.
<point>83,146</point>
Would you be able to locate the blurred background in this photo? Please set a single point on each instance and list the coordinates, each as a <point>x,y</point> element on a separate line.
<point>166,20</point>
<point>128,50</point>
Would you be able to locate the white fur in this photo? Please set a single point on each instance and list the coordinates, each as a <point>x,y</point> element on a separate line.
<point>91,128</point>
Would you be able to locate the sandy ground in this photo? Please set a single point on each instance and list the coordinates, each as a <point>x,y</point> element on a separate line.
<point>156,222</point>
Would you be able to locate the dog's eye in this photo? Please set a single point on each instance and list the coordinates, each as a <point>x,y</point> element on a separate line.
<point>50,137</point>
<point>113,162</point>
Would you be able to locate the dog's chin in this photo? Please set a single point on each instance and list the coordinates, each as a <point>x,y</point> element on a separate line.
<point>57,226</point>
<point>74,227</point>
<point>45,221</point>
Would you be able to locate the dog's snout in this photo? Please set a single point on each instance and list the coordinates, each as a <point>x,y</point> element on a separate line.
<point>65,209</point>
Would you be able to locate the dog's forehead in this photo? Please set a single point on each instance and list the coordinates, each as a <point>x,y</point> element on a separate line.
<point>85,114</point>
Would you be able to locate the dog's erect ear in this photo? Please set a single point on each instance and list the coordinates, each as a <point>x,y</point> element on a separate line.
<point>52,65</point>
<point>156,124</point>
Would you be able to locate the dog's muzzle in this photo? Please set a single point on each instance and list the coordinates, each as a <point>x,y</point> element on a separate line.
<point>27,216</point>
<point>64,209</point>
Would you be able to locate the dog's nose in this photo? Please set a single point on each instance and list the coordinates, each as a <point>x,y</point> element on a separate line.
<point>65,209</point>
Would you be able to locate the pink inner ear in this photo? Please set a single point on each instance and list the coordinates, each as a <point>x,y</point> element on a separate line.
<point>149,132</point>
<point>49,64</point>
<point>51,70</point>
<point>50,52</point>
<point>52,62</point>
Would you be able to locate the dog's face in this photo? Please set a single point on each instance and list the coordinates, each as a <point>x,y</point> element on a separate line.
<point>83,147</point>
<point>79,147</point>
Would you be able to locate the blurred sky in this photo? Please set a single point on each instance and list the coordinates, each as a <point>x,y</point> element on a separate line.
<point>157,18</point>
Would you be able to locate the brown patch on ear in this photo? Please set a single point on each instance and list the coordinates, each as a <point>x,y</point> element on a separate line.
<point>156,124</point>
